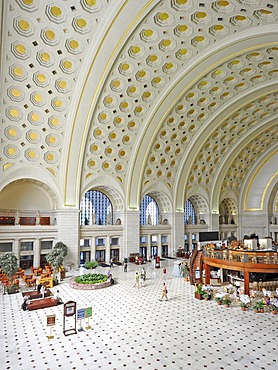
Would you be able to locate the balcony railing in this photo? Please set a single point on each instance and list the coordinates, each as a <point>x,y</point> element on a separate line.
<point>267,257</point>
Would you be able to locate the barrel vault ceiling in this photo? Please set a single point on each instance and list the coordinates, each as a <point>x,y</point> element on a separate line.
<point>177,98</point>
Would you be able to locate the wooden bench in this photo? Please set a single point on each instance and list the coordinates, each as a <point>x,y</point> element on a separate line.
<point>36,304</point>
<point>34,294</point>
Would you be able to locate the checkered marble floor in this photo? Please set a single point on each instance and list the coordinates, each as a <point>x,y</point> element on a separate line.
<point>132,329</point>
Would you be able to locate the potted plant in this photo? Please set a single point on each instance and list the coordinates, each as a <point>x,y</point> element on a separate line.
<point>243,306</point>
<point>259,306</point>
<point>56,257</point>
<point>274,309</point>
<point>13,288</point>
<point>219,300</point>
<point>227,302</point>
<point>199,291</point>
<point>244,301</point>
<point>91,264</point>
<point>185,272</point>
<point>206,296</point>
<point>9,266</point>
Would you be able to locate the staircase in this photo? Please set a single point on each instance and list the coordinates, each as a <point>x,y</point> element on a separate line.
<point>195,265</point>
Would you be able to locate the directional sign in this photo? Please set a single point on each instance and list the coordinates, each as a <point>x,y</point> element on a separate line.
<point>81,314</point>
<point>88,312</point>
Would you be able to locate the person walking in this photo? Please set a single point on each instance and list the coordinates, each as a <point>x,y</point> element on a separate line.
<point>125,266</point>
<point>164,292</point>
<point>137,277</point>
<point>143,274</point>
<point>111,263</point>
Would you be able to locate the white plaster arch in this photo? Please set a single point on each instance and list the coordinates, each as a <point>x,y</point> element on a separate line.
<point>161,195</point>
<point>37,177</point>
<point>190,75</point>
<point>110,187</point>
<point>259,183</point>
<point>112,36</point>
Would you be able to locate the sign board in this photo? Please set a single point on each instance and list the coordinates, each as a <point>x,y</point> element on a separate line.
<point>81,314</point>
<point>50,320</point>
<point>69,315</point>
<point>70,308</point>
<point>88,312</point>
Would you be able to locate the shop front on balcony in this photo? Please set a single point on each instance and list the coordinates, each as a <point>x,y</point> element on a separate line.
<point>242,266</point>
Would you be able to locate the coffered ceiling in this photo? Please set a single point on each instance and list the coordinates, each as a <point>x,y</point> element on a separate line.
<point>175,97</point>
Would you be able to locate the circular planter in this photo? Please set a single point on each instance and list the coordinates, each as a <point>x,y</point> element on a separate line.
<point>73,284</point>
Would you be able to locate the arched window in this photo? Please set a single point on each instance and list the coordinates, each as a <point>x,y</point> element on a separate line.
<point>95,209</point>
<point>189,213</point>
<point>148,211</point>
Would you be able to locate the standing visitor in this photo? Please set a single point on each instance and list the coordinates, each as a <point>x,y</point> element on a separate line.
<point>43,290</point>
<point>164,292</point>
<point>143,274</point>
<point>136,283</point>
<point>125,267</point>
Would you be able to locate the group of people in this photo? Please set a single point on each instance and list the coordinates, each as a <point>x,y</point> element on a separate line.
<point>41,289</point>
<point>140,278</point>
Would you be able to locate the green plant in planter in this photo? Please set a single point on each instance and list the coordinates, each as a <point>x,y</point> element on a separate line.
<point>12,289</point>
<point>243,305</point>
<point>56,257</point>
<point>227,302</point>
<point>219,300</point>
<point>9,266</point>
<point>259,305</point>
<point>273,309</point>
<point>91,264</point>
<point>199,289</point>
<point>91,279</point>
<point>206,296</point>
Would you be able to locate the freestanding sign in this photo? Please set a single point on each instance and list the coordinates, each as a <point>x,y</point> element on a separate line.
<point>69,311</point>
<point>50,322</point>
<point>80,317</point>
<point>88,314</point>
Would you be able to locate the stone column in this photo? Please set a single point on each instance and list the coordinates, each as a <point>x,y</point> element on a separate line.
<point>16,249</point>
<point>149,244</point>
<point>131,232</point>
<point>107,250</point>
<point>93,248</point>
<point>37,253</point>
<point>177,237</point>
<point>68,233</point>
<point>159,245</point>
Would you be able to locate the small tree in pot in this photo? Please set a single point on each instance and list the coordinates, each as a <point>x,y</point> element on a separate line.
<point>9,266</point>
<point>56,257</point>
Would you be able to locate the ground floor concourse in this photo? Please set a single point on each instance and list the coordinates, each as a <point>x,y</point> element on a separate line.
<point>132,329</point>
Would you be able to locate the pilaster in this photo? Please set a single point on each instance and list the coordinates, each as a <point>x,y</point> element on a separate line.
<point>177,233</point>
<point>68,233</point>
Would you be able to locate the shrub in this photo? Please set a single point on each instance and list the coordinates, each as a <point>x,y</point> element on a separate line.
<point>90,279</point>
<point>91,264</point>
